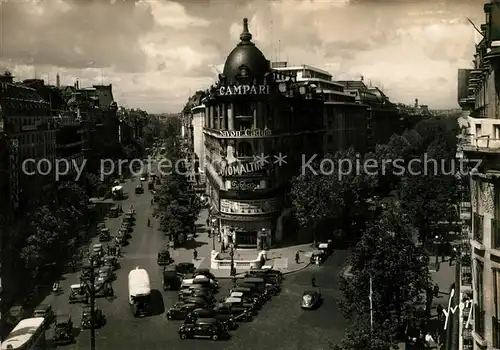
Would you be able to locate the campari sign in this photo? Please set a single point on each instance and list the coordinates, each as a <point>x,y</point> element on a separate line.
<point>244,90</point>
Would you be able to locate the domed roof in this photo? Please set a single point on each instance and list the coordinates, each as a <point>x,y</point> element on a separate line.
<point>246,60</point>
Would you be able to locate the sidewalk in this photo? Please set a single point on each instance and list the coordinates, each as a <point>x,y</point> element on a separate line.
<point>282,259</point>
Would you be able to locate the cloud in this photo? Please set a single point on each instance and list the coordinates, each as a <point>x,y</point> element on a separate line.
<point>158,52</point>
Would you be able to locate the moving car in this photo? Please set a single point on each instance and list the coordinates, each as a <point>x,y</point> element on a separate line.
<point>318,257</point>
<point>63,333</point>
<point>143,178</point>
<point>78,294</point>
<point>204,272</point>
<point>117,192</point>
<point>98,318</point>
<point>114,211</point>
<point>180,310</point>
<point>139,288</point>
<point>209,328</point>
<point>265,272</point>
<point>139,189</point>
<point>311,299</point>
<point>164,258</point>
<point>110,261</point>
<point>45,311</point>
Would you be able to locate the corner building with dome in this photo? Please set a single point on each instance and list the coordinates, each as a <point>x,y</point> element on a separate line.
<point>258,125</point>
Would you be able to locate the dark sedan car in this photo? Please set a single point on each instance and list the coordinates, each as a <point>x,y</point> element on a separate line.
<point>311,299</point>
<point>185,267</point>
<point>209,328</point>
<point>226,319</point>
<point>180,311</point>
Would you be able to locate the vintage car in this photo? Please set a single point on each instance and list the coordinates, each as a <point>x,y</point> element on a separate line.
<point>151,185</point>
<point>114,211</point>
<point>120,238</point>
<point>185,267</point>
<point>164,258</point>
<point>202,303</point>
<point>86,269</point>
<point>103,288</point>
<point>106,273</point>
<point>139,189</point>
<point>101,225</point>
<point>273,288</point>
<point>104,235</point>
<point>98,249</point>
<point>250,293</point>
<point>265,272</point>
<point>110,261</point>
<point>98,318</point>
<point>256,302</point>
<point>311,299</point>
<point>238,313</point>
<point>196,314</point>
<point>143,178</point>
<point>130,216</point>
<point>63,332</point>
<point>171,278</point>
<point>249,305</point>
<point>45,311</point>
<point>180,310</point>
<point>204,272</point>
<point>78,294</point>
<point>209,328</point>
<point>318,257</point>
<point>326,247</point>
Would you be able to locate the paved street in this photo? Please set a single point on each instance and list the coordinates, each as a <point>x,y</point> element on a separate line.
<point>281,324</point>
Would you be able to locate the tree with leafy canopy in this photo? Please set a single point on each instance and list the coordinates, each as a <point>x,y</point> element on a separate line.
<point>386,253</point>
<point>333,196</point>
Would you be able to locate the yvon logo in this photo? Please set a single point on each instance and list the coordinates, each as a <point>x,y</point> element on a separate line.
<point>464,303</point>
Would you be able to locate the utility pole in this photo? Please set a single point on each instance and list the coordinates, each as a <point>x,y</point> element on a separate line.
<point>371,304</point>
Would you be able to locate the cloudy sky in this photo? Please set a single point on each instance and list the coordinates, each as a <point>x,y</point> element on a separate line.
<point>156,53</point>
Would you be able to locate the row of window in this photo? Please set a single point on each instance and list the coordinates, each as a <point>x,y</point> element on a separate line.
<point>479,316</point>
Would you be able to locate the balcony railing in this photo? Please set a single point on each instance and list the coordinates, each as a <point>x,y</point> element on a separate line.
<point>479,321</point>
<point>495,233</point>
<point>478,227</point>
<point>496,332</point>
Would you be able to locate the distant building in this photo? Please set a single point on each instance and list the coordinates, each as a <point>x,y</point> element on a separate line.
<point>345,120</point>
<point>382,118</point>
<point>29,127</point>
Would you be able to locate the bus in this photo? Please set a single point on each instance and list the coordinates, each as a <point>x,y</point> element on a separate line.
<point>28,334</point>
<point>139,289</point>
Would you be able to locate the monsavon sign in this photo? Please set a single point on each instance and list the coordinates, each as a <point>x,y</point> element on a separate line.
<point>248,133</point>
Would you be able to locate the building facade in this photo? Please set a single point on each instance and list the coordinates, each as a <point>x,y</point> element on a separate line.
<point>345,119</point>
<point>254,117</point>
<point>28,123</point>
<point>478,95</point>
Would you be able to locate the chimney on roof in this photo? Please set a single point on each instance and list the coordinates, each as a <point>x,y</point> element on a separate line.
<point>58,80</point>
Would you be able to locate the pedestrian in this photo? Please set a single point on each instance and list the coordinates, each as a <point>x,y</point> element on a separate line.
<point>119,251</point>
<point>436,290</point>
<point>297,257</point>
<point>440,314</point>
<point>195,254</point>
<point>453,255</point>
<point>429,340</point>
<point>313,281</point>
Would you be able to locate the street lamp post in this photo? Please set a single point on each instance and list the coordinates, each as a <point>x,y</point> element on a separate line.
<point>90,286</point>
<point>212,229</point>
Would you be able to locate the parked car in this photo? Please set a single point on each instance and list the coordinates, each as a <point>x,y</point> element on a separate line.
<point>226,319</point>
<point>63,332</point>
<point>78,294</point>
<point>139,189</point>
<point>171,278</point>
<point>180,310</point>
<point>97,249</point>
<point>185,267</point>
<point>114,211</point>
<point>106,273</point>
<point>311,299</point>
<point>99,319</point>
<point>239,313</point>
<point>204,272</point>
<point>45,311</point>
<point>203,328</point>
<point>110,261</point>
<point>163,258</point>
<point>104,235</point>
